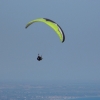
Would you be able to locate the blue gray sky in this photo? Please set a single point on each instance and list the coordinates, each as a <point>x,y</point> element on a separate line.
<point>77,59</point>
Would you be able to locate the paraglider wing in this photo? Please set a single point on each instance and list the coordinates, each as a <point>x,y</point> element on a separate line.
<point>52,24</point>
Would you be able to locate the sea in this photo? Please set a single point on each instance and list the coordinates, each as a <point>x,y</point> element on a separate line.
<point>87,98</point>
<point>49,92</point>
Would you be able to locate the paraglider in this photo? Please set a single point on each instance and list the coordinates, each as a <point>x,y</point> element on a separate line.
<point>53,25</point>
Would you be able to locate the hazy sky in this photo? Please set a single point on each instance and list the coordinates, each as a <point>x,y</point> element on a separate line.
<point>77,59</point>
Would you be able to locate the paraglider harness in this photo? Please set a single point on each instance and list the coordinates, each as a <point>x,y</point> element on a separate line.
<point>39,58</point>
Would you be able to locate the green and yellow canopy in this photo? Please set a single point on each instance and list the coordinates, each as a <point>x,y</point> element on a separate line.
<point>52,24</point>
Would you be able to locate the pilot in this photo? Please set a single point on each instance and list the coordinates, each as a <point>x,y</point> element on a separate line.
<point>39,58</point>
